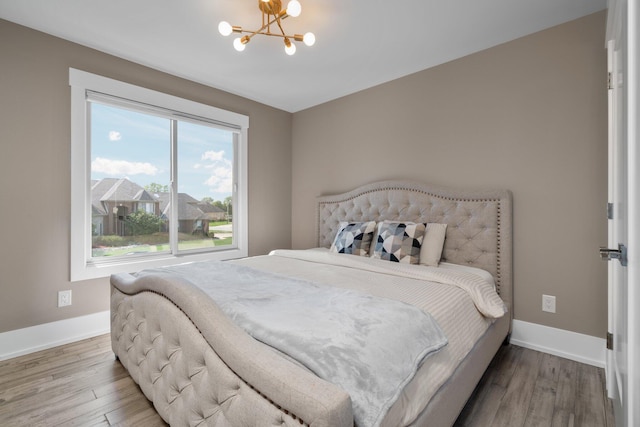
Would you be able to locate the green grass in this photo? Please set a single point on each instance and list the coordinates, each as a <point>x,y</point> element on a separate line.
<point>216,223</point>
<point>109,246</point>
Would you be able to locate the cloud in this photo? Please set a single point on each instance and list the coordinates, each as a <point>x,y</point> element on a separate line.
<point>115,136</point>
<point>122,167</point>
<point>213,155</point>
<point>221,179</point>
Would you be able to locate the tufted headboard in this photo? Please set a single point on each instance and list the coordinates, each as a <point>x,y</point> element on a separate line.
<point>479,231</point>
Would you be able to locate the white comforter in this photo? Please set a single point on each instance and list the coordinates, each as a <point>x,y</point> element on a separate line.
<point>481,291</point>
<point>455,297</point>
<point>370,346</point>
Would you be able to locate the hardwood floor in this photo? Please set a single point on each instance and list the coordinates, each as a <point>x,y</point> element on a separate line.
<point>81,384</point>
<point>524,387</point>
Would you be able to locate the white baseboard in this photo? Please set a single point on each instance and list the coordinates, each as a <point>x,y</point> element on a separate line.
<point>41,337</point>
<point>559,342</point>
<point>570,345</point>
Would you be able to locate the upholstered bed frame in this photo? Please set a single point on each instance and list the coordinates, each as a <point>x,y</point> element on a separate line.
<point>199,368</point>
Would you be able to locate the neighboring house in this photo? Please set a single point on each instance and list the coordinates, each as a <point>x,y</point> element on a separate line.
<point>112,199</point>
<point>193,215</point>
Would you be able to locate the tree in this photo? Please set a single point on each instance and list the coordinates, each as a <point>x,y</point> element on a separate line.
<point>224,205</point>
<point>141,222</point>
<point>154,187</point>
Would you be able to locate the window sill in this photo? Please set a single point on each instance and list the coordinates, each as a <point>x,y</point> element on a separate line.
<point>89,270</point>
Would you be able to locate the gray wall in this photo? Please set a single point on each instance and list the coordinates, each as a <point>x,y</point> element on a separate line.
<point>34,170</point>
<point>529,115</point>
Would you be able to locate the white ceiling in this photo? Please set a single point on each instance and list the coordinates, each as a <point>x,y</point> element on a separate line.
<point>360,43</point>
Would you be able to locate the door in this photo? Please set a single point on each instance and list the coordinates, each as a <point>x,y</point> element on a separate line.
<point>623,360</point>
<point>617,213</point>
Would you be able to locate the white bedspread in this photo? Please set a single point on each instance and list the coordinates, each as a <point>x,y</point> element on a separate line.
<point>370,346</point>
<point>453,307</point>
<point>482,292</point>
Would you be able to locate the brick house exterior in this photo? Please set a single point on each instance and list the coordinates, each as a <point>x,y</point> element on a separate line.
<point>113,199</point>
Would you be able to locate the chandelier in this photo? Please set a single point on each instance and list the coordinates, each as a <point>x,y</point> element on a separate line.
<point>272,13</point>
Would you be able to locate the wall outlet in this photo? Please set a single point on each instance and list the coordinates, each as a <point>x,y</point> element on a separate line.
<point>549,303</point>
<point>64,298</point>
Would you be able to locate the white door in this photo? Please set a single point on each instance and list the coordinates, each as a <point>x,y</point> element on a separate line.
<point>633,171</point>
<point>623,379</point>
<point>618,232</point>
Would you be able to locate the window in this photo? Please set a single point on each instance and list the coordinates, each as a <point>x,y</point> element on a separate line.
<point>155,179</point>
<point>149,208</point>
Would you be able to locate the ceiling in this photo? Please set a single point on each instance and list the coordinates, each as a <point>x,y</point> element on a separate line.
<point>360,43</point>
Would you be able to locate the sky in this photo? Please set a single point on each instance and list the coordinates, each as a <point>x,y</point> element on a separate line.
<point>134,145</point>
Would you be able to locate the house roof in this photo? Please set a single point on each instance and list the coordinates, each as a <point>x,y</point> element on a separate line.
<point>188,207</point>
<point>123,190</point>
<point>116,190</point>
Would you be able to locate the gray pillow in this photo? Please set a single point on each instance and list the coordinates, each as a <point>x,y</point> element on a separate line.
<point>354,238</point>
<point>399,241</point>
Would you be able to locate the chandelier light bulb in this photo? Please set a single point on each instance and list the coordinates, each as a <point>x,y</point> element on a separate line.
<point>225,28</point>
<point>272,16</point>
<point>309,39</point>
<point>294,8</point>
<point>238,45</point>
<point>290,48</point>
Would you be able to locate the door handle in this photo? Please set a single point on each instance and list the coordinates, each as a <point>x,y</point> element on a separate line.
<point>620,254</point>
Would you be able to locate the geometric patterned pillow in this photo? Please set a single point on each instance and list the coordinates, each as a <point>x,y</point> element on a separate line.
<point>354,238</point>
<point>399,241</point>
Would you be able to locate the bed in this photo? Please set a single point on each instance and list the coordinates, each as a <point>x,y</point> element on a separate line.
<point>199,367</point>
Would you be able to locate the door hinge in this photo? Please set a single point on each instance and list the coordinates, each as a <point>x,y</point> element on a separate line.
<point>609,341</point>
<point>609,210</point>
<point>609,82</point>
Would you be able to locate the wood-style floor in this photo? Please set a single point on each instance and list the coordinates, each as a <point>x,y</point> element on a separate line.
<point>527,388</point>
<point>81,384</point>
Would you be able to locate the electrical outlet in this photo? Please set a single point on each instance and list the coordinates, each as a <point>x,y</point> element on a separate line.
<point>549,303</point>
<point>64,298</point>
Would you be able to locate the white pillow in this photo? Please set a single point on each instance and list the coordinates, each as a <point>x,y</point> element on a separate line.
<point>432,244</point>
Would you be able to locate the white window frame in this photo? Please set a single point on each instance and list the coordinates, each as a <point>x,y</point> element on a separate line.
<point>81,265</point>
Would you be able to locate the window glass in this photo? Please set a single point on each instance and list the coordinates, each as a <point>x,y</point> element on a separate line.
<point>130,166</point>
<point>205,182</point>
<point>132,201</point>
<point>155,179</point>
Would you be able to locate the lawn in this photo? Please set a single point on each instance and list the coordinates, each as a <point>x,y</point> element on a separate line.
<point>157,242</point>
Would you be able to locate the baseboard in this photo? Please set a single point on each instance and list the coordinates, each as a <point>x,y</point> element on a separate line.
<point>41,337</point>
<point>559,342</point>
<point>570,345</point>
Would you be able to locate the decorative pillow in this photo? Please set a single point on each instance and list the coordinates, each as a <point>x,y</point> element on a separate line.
<point>432,245</point>
<point>399,241</point>
<point>354,238</point>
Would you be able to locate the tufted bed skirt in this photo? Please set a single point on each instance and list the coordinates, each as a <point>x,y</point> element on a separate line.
<point>190,385</point>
